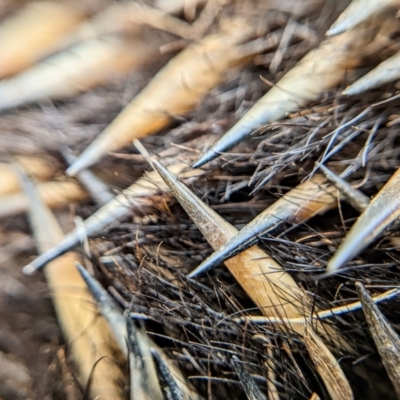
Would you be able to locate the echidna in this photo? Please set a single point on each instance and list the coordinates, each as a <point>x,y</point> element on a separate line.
<point>265,128</point>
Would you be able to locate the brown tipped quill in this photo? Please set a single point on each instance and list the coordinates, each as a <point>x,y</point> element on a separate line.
<point>271,289</point>
<point>175,90</point>
<point>86,333</point>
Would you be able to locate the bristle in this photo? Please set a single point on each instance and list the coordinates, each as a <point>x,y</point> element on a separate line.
<point>66,244</point>
<point>356,198</point>
<point>323,314</point>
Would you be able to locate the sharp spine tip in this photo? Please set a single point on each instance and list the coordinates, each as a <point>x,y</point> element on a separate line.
<point>200,270</point>
<point>73,169</point>
<point>229,250</point>
<point>198,164</point>
<point>142,150</point>
<point>332,32</point>
<point>107,306</point>
<point>348,91</point>
<point>194,273</point>
<point>205,158</point>
<point>382,211</point>
<point>332,268</point>
<point>358,87</point>
<point>29,269</point>
<point>85,160</point>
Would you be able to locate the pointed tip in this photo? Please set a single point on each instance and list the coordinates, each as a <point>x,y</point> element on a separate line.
<point>89,156</point>
<point>385,72</point>
<point>98,292</point>
<point>76,167</point>
<point>29,269</point>
<point>361,290</point>
<point>189,202</point>
<point>368,304</point>
<point>352,89</point>
<point>339,259</point>
<point>382,211</point>
<point>365,83</point>
<point>298,205</point>
<point>169,178</point>
<point>210,155</point>
<point>142,150</point>
<point>182,194</point>
<point>34,266</point>
<point>67,154</point>
<point>333,31</point>
<point>209,223</point>
<point>326,365</point>
<point>66,244</point>
<point>81,270</point>
<point>108,307</point>
<point>100,295</point>
<point>355,197</point>
<point>357,12</point>
<point>98,190</point>
<point>341,25</point>
<point>204,267</point>
<point>258,115</point>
